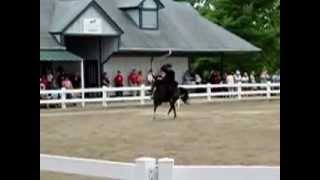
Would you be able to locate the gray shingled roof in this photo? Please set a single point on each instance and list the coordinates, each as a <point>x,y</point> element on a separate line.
<point>181,28</point>
<point>65,12</point>
<point>123,4</point>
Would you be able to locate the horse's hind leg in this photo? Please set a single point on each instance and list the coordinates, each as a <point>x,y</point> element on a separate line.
<point>170,109</point>
<point>155,106</point>
<point>174,112</point>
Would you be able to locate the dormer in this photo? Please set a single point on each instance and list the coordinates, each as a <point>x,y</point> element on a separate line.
<point>144,13</point>
<point>82,17</point>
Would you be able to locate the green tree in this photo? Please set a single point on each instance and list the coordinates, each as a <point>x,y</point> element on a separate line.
<point>257,21</point>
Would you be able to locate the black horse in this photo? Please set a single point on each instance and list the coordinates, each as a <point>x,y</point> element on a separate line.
<point>168,93</point>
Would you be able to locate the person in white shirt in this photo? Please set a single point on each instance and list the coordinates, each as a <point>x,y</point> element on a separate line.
<point>252,77</point>
<point>237,77</point>
<point>245,78</point>
<point>150,77</point>
<point>230,81</point>
<point>264,77</point>
<point>198,79</point>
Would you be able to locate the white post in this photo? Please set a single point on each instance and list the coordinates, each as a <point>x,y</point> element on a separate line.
<point>145,169</point>
<point>82,83</point>
<point>63,98</point>
<point>82,97</point>
<point>268,89</point>
<point>104,96</point>
<point>239,88</point>
<point>179,104</point>
<point>209,92</point>
<point>165,169</point>
<point>142,93</point>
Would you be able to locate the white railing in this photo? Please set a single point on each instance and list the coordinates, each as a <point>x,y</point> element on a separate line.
<point>208,91</point>
<point>151,169</point>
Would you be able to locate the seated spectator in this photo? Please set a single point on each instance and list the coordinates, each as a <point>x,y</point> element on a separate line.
<point>118,82</point>
<point>105,79</point>
<point>66,83</point>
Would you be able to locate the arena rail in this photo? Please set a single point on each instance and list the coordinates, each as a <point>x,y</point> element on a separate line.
<point>147,168</point>
<point>209,91</point>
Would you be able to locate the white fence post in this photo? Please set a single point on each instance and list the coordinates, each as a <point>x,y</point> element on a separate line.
<point>104,96</point>
<point>239,88</point>
<point>63,98</point>
<point>142,93</point>
<point>268,89</point>
<point>165,169</point>
<point>145,169</point>
<point>82,97</point>
<point>208,91</point>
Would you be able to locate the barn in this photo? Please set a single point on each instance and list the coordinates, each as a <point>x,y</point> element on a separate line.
<point>95,36</point>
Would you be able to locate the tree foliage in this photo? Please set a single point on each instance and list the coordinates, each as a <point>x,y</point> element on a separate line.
<point>257,21</point>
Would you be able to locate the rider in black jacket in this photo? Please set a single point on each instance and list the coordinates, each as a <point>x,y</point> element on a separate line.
<point>168,79</point>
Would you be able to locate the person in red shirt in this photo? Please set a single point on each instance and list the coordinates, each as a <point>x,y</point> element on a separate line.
<point>140,78</point>
<point>118,82</point>
<point>133,80</point>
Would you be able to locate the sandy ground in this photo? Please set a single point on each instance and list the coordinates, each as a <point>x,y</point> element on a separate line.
<point>231,133</point>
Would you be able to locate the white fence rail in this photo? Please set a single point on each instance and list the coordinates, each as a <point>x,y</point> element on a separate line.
<point>208,91</point>
<point>151,169</point>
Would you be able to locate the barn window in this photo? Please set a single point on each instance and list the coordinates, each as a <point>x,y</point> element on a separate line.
<point>145,14</point>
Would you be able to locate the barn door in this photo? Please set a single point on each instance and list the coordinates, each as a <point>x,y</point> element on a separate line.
<point>91,73</point>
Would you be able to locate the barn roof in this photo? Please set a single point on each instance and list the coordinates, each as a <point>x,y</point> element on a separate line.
<point>181,28</point>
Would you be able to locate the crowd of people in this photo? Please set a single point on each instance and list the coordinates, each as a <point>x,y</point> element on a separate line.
<point>190,77</point>
<point>136,78</point>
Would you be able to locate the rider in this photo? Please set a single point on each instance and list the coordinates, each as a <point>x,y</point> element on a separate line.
<point>168,79</point>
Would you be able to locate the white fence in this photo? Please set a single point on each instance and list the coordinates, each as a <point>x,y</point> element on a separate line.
<point>151,169</point>
<point>208,91</point>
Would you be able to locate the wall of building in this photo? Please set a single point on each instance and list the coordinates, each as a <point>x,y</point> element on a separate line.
<point>126,64</point>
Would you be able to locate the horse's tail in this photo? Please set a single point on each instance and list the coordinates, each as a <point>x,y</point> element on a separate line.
<point>184,95</point>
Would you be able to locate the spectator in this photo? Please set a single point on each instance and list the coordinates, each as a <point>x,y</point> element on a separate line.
<point>264,77</point>
<point>140,79</point>
<point>237,77</point>
<point>45,81</point>
<point>150,77</point>
<point>245,78</point>
<point>132,78</point>
<point>118,82</point>
<point>276,77</point>
<point>215,78</point>
<point>50,80</point>
<point>187,77</point>
<point>230,81</point>
<point>105,79</point>
<point>42,85</point>
<point>77,81</point>
<point>252,77</point>
<point>66,83</point>
<point>198,79</point>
